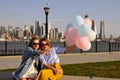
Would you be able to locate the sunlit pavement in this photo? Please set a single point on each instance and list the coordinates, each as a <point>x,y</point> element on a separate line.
<point>7,62</point>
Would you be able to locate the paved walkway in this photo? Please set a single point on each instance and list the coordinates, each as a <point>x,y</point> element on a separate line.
<point>7,62</point>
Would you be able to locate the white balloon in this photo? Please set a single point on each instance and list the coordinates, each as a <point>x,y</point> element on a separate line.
<point>92,35</point>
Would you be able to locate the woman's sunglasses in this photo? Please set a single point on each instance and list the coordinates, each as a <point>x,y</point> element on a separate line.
<point>36,43</point>
<point>45,44</point>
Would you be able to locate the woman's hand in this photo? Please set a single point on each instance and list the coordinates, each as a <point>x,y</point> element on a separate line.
<point>69,48</point>
<point>40,52</point>
<point>56,71</point>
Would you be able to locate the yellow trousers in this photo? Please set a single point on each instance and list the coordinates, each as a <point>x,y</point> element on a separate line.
<point>47,74</point>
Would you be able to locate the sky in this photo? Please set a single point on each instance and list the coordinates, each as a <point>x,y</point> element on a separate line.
<point>25,12</point>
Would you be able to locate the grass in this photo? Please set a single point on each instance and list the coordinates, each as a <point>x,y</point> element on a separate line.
<point>8,70</point>
<point>99,69</point>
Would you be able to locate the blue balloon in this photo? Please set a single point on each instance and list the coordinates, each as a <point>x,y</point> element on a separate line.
<point>77,21</point>
<point>69,25</point>
<point>84,30</point>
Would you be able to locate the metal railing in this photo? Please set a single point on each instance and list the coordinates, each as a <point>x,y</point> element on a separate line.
<point>18,47</point>
<point>12,47</point>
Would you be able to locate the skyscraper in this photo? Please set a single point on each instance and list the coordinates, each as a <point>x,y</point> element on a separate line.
<point>32,30</point>
<point>102,30</point>
<point>36,27</point>
<point>93,27</point>
<point>26,32</point>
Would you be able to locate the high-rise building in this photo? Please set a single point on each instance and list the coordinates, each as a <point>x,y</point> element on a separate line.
<point>26,31</point>
<point>43,30</point>
<point>37,28</point>
<point>32,30</point>
<point>2,30</point>
<point>93,27</point>
<point>52,34</point>
<point>20,34</point>
<point>102,30</point>
<point>55,34</point>
<point>10,31</point>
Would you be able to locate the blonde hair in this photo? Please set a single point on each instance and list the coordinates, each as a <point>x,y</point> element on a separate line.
<point>33,38</point>
<point>44,39</point>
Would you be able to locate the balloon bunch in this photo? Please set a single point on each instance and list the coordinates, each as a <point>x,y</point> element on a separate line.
<point>79,33</point>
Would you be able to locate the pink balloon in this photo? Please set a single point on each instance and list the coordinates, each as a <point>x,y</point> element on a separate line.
<point>71,35</point>
<point>88,21</point>
<point>83,43</point>
<point>87,47</point>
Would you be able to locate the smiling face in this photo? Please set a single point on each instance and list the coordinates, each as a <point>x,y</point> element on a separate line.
<point>45,45</point>
<point>35,44</point>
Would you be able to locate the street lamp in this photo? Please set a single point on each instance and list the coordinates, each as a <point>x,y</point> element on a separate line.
<point>46,9</point>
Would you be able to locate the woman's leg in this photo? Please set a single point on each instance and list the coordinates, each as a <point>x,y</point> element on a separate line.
<point>45,74</point>
<point>58,76</point>
<point>30,79</point>
<point>23,78</point>
<point>26,79</point>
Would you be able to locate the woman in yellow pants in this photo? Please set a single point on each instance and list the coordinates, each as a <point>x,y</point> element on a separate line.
<point>48,74</point>
<point>50,67</point>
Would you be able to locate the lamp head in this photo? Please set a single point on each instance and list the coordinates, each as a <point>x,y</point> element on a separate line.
<point>46,9</point>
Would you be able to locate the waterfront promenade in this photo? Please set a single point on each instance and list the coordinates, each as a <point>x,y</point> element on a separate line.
<point>7,62</point>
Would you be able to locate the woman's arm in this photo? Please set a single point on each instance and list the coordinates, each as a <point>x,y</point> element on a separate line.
<point>40,51</point>
<point>69,48</point>
<point>63,50</point>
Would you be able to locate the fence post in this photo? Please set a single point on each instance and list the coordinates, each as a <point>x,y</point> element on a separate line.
<point>115,45</point>
<point>118,46</point>
<point>109,46</point>
<point>96,45</point>
<point>5,47</point>
<point>81,51</point>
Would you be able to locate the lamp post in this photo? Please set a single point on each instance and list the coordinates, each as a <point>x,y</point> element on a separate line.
<point>46,9</point>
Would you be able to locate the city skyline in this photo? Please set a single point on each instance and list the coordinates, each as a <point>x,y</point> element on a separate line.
<point>25,12</point>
